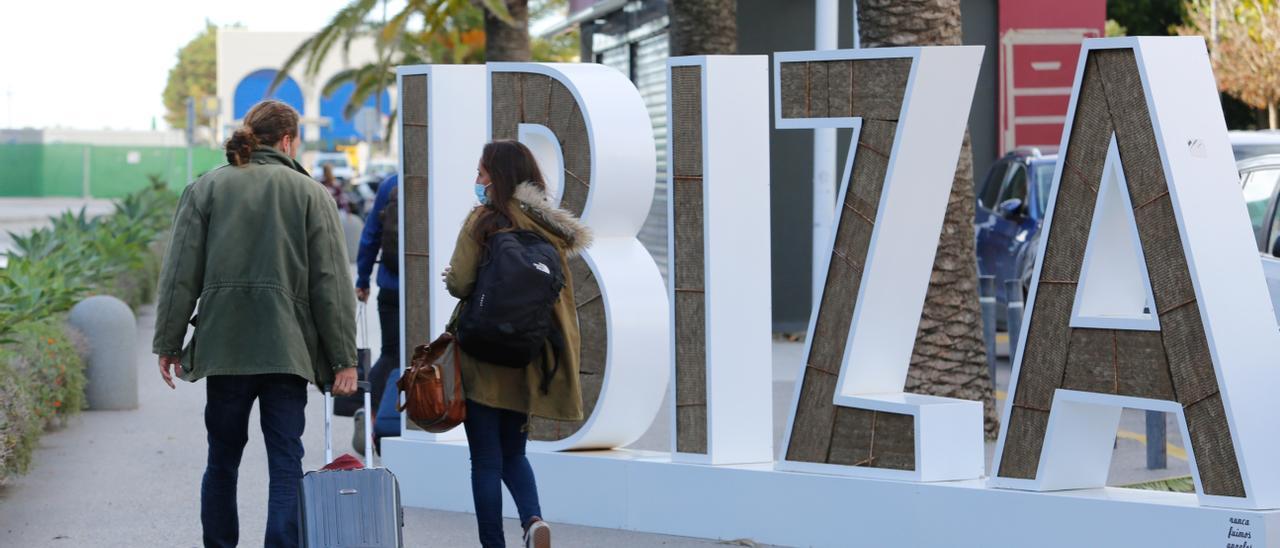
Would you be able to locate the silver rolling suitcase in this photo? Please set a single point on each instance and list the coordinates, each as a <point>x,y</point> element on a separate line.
<point>350,508</point>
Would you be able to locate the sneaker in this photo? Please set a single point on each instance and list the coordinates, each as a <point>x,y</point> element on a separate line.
<point>538,535</point>
<point>357,436</point>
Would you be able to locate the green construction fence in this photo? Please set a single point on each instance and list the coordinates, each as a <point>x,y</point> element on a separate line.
<point>35,170</point>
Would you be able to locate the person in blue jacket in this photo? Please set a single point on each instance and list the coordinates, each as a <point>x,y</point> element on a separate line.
<point>372,249</point>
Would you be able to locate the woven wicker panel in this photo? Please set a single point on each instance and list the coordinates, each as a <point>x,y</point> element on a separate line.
<point>839,88</point>
<point>834,316</point>
<point>870,88</point>
<point>1044,358</point>
<point>862,437</point>
<point>413,104</point>
<point>870,166</point>
<point>571,128</point>
<point>814,420</point>
<point>818,91</point>
<point>1091,361</point>
<point>1173,364</point>
<point>415,271</point>
<point>877,87</point>
<point>535,108</point>
<point>1077,192</point>
<point>689,267</point>
<point>691,426</point>
<point>506,92</point>
<point>1134,134</point>
<point>686,121</point>
<point>1187,350</point>
<point>795,89</point>
<point>1211,444</point>
<point>1023,441</point>
<point>1166,261</point>
<point>691,355</point>
<point>1142,367</point>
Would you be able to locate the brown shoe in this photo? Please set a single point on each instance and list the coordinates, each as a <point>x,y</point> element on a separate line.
<point>538,535</point>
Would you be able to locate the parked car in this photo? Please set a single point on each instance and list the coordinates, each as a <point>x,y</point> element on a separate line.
<point>342,170</point>
<point>377,171</point>
<point>1260,183</point>
<point>1247,144</point>
<point>1012,201</point>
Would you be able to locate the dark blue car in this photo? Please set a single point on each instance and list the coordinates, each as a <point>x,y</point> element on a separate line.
<point>1012,200</point>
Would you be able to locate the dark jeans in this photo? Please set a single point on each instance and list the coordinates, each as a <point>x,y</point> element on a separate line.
<point>497,438</point>
<point>282,400</point>
<point>389,358</point>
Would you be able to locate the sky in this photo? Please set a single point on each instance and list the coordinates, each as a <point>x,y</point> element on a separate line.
<point>93,64</point>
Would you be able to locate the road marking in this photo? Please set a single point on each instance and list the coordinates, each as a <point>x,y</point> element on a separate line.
<point>1171,449</point>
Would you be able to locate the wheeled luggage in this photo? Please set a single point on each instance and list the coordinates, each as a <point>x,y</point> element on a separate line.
<point>350,507</point>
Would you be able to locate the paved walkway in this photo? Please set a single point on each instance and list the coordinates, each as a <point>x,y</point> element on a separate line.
<point>132,479</point>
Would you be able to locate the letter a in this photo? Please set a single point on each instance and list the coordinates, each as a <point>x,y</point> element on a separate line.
<point>1148,290</point>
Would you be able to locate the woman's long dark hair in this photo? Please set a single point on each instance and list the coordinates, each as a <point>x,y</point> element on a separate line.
<point>509,163</point>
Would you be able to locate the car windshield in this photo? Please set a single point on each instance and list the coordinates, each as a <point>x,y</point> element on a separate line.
<point>1042,173</point>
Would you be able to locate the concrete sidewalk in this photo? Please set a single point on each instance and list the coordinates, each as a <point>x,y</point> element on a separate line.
<point>132,479</point>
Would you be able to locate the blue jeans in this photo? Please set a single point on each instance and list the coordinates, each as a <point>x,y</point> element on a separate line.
<point>282,400</point>
<point>497,438</point>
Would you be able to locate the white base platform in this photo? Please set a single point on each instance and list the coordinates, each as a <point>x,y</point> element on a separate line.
<point>646,491</point>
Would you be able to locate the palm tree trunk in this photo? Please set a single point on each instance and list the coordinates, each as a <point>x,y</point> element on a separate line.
<point>703,27</point>
<point>949,358</point>
<point>503,42</point>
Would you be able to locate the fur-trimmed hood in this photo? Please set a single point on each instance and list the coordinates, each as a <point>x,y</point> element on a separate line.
<point>534,203</point>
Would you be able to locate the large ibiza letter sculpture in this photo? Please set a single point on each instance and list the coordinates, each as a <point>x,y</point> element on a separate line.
<point>908,108</point>
<point>590,131</point>
<point>1148,290</point>
<point>718,234</point>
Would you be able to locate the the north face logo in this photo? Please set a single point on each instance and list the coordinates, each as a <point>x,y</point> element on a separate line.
<point>543,268</point>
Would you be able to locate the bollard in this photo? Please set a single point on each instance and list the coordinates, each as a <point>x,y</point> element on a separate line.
<point>987,299</point>
<point>112,368</point>
<point>1013,299</point>
<point>1157,455</point>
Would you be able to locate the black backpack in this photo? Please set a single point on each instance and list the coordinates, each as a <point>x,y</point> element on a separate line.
<point>391,233</point>
<point>510,313</point>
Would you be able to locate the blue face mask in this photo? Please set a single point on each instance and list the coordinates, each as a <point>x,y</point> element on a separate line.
<point>480,194</point>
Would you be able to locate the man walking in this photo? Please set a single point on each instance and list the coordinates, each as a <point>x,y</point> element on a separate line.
<point>259,244</point>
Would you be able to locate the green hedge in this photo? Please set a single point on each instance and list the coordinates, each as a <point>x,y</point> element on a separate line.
<point>41,367</point>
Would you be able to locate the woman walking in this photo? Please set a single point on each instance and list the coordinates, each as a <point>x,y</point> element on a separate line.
<point>259,244</point>
<point>501,399</point>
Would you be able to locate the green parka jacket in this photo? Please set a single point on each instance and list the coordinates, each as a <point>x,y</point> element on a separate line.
<point>261,247</point>
<point>520,389</point>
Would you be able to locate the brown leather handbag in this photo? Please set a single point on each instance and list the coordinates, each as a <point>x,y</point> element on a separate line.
<point>432,386</point>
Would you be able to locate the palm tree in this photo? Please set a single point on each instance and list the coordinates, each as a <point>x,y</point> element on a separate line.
<point>949,358</point>
<point>703,27</point>
<point>446,36</point>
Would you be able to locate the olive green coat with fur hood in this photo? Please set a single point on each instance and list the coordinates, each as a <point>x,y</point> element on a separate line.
<point>261,247</point>
<point>520,389</point>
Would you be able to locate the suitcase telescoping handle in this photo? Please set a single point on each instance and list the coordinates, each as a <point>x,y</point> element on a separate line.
<point>363,386</point>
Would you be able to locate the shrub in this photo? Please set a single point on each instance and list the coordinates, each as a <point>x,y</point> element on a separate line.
<point>42,376</point>
<point>41,384</point>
